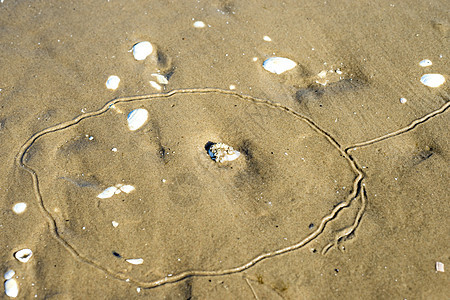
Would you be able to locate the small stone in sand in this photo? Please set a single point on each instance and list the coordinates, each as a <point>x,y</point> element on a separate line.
<point>113,82</point>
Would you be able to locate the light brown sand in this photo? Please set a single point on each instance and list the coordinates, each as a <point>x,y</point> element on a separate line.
<point>206,219</point>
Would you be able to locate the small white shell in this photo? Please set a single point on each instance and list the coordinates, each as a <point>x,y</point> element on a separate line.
<point>199,24</point>
<point>155,85</point>
<point>19,208</point>
<point>108,193</point>
<point>127,188</point>
<point>113,82</point>
<point>115,224</point>
<point>11,288</point>
<point>23,255</point>
<point>137,118</point>
<point>267,38</point>
<point>221,152</point>
<point>142,50</point>
<point>403,100</point>
<point>432,80</point>
<point>135,261</point>
<point>425,63</point>
<point>160,78</point>
<point>9,274</point>
<point>439,267</point>
<point>278,65</point>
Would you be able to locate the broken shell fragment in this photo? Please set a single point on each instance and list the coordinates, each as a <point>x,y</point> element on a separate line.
<point>108,193</point>
<point>135,261</point>
<point>137,118</point>
<point>11,288</point>
<point>439,266</point>
<point>278,65</point>
<point>142,50</point>
<point>432,80</point>
<point>221,152</point>
<point>425,63</point>
<point>23,255</point>
<point>9,274</point>
<point>160,78</point>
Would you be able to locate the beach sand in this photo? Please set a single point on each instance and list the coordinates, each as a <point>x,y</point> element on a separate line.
<point>340,190</point>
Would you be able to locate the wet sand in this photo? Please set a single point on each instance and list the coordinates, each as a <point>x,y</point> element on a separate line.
<point>341,190</point>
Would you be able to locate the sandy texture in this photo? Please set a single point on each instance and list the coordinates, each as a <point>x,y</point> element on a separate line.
<point>341,191</point>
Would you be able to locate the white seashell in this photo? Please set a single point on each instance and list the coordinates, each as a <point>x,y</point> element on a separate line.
<point>439,267</point>
<point>278,65</point>
<point>9,274</point>
<point>23,255</point>
<point>199,24</point>
<point>11,288</point>
<point>403,100</point>
<point>155,85</point>
<point>142,50</point>
<point>108,193</point>
<point>113,82</point>
<point>127,188</point>
<point>160,78</point>
<point>135,261</point>
<point>221,152</point>
<point>137,118</point>
<point>267,38</point>
<point>19,208</point>
<point>115,224</point>
<point>425,63</point>
<point>432,80</point>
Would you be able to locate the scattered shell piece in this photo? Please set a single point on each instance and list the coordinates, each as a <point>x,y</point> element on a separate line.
<point>338,71</point>
<point>113,82</point>
<point>114,190</point>
<point>403,100</point>
<point>432,80</point>
<point>232,87</point>
<point>9,274</point>
<point>108,193</point>
<point>278,65</point>
<point>425,63</point>
<point>127,188</point>
<point>114,149</point>
<point>221,152</point>
<point>23,255</point>
<point>254,58</point>
<point>142,50</point>
<point>155,85</point>
<point>439,267</point>
<point>160,78</point>
<point>19,208</point>
<point>115,224</point>
<point>135,261</point>
<point>137,118</point>
<point>199,24</point>
<point>267,38</point>
<point>11,288</point>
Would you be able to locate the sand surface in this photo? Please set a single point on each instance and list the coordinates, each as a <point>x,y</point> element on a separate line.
<point>340,191</point>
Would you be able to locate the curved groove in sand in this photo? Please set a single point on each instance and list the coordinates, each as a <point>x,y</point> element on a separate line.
<point>355,193</point>
<point>411,126</point>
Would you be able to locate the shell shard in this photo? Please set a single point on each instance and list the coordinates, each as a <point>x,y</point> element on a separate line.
<point>23,255</point>
<point>113,82</point>
<point>221,152</point>
<point>279,65</point>
<point>19,208</point>
<point>11,288</point>
<point>9,274</point>
<point>425,63</point>
<point>137,118</point>
<point>108,193</point>
<point>142,50</point>
<point>135,261</point>
<point>432,80</point>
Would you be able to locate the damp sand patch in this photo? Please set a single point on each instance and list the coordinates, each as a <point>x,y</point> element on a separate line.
<point>187,214</point>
